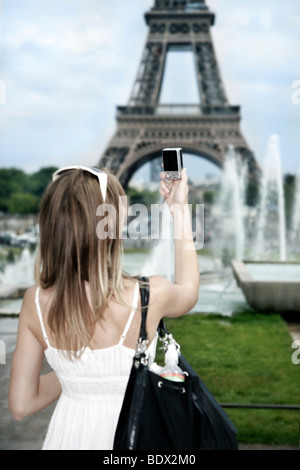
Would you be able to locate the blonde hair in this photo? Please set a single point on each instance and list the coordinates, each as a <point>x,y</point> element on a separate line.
<point>71,254</point>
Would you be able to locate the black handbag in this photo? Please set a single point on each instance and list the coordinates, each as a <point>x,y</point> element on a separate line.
<point>159,414</point>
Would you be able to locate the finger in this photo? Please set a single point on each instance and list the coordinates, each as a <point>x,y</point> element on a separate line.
<point>162,175</point>
<point>164,190</point>
<point>163,193</point>
<point>183,175</point>
<point>165,185</point>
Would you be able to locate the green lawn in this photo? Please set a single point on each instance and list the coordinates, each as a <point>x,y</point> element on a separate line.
<point>245,359</point>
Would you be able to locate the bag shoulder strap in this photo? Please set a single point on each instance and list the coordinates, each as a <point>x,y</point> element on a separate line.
<point>144,292</point>
<point>162,329</point>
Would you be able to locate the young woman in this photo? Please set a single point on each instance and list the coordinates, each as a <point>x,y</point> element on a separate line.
<point>84,312</point>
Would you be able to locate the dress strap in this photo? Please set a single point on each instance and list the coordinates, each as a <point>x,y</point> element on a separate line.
<point>37,302</point>
<point>134,307</point>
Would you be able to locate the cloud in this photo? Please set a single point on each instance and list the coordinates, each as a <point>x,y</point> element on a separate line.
<point>69,36</point>
<point>257,47</point>
<point>66,64</point>
<point>64,74</point>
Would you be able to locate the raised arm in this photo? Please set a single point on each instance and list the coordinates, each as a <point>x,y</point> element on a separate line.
<point>181,296</point>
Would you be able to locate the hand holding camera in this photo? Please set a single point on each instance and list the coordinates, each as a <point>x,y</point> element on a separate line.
<point>173,185</point>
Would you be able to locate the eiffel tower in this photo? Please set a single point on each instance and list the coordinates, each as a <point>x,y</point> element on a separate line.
<point>144,126</point>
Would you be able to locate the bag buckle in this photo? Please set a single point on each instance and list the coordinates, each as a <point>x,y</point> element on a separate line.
<point>141,346</point>
<point>140,356</point>
<point>166,341</point>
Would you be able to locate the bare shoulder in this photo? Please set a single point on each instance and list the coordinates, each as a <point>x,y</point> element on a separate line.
<point>170,299</point>
<point>30,293</point>
<point>159,283</point>
<point>28,299</point>
<point>160,290</point>
<point>27,313</point>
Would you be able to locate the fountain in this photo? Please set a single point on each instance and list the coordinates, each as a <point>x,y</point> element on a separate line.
<point>266,280</point>
<point>271,284</point>
<point>21,271</point>
<point>294,237</point>
<point>231,206</point>
<point>15,278</point>
<point>161,260</point>
<point>271,212</point>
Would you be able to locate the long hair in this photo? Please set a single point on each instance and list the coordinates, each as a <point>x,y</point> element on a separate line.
<point>71,254</point>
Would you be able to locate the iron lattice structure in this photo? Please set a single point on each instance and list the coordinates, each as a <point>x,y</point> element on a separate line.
<point>144,126</point>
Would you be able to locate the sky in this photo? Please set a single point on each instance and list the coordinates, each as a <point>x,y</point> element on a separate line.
<point>66,64</point>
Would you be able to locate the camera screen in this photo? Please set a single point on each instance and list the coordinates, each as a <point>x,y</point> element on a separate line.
<point>170,160</point>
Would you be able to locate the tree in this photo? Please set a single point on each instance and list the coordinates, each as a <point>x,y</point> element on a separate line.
<point>20,192</point>
<point>23,203</point>
<point>12,180</point>
<point>40,180</point>
<point>208,197</point>
<point>144,196</point>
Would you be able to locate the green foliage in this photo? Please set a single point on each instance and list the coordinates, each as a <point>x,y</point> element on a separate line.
<point>40,180</point>
<point>20,192</point>
<point>289,190</point>
<point>22,203</point>
<point>252,193</point>
<point>145,196</point>
<point>208,197</point>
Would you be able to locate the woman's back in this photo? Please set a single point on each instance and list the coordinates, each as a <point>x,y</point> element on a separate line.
<point>93,387</point>
<point>108,329</point>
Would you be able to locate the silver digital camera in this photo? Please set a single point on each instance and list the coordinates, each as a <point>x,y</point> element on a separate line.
<point>172,161</point>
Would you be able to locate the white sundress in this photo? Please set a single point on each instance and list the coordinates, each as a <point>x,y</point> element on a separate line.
<point>93,388</point>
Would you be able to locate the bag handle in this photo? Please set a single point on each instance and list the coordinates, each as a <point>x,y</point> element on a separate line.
<point>165,336</point>
<point>144,290</point>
